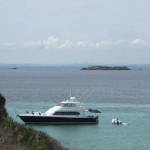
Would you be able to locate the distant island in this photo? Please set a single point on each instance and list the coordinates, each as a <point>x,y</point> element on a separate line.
<point>14,68</point>
<point>106,68</point>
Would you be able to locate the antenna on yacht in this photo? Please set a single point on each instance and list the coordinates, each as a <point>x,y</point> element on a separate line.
<point>54,101</point>
<point>88,96</point>
<point>83,94</point>
<point>70,94</point>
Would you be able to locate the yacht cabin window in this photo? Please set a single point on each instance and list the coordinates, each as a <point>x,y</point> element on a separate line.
<point>66,113</point>
<point>68,105</point>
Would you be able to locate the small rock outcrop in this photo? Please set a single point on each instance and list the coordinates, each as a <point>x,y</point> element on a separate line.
<point>106,68</point>
<point>3,111</point>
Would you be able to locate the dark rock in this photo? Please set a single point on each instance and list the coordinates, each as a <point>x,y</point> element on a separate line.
<point>106,68</point>
<point>14,68</point>
<point>3,111</point>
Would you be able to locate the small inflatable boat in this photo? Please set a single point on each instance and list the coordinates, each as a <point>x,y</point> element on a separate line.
<point>118,122</point>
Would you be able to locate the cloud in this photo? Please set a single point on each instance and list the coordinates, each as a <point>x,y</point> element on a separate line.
<point>138,42</point>
<point>53,42</point>
<point>104,44</point>
<point>9,44</point>
<point>66,44</point>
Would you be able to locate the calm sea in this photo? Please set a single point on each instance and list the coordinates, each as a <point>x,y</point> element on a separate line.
<point>117,94</point>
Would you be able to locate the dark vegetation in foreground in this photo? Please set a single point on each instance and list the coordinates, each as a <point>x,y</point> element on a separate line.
<point>16,136</point>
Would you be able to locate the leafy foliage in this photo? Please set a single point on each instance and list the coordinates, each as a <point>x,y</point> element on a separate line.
<point>3,111</point>
<point>28,137</point>
<point>20,137</point>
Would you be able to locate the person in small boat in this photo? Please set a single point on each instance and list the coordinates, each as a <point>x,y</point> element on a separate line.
<point>118,121</point>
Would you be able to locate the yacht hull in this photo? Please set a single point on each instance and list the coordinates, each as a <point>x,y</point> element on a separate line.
<point>58,120</point>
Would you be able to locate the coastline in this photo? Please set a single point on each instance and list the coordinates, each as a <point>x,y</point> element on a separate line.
<point>17,136</point>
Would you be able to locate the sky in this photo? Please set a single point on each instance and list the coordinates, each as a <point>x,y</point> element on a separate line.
<point>74,31</point>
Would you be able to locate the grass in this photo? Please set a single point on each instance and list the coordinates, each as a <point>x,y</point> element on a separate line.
<point>24,138</point>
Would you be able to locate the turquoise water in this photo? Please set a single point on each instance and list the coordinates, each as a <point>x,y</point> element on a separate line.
<point>103,135</point>
<point>117,94</point>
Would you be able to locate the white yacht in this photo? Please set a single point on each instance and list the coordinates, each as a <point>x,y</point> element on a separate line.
<point>67,112</point>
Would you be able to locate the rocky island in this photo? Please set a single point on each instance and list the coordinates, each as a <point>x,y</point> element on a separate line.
<point>106,68</point>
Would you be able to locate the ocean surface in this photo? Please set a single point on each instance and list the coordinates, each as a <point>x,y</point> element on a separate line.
<point>117,94</point>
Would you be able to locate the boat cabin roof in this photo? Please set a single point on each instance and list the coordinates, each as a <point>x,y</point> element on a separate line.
<point>69,103</point>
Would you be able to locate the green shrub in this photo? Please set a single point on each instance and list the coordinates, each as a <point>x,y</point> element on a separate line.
<point>3,111</point>
<point>18,135</point>
<point>28,137</point>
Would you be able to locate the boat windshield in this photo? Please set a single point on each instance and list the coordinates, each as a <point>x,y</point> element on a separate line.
<point>67,104</point>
